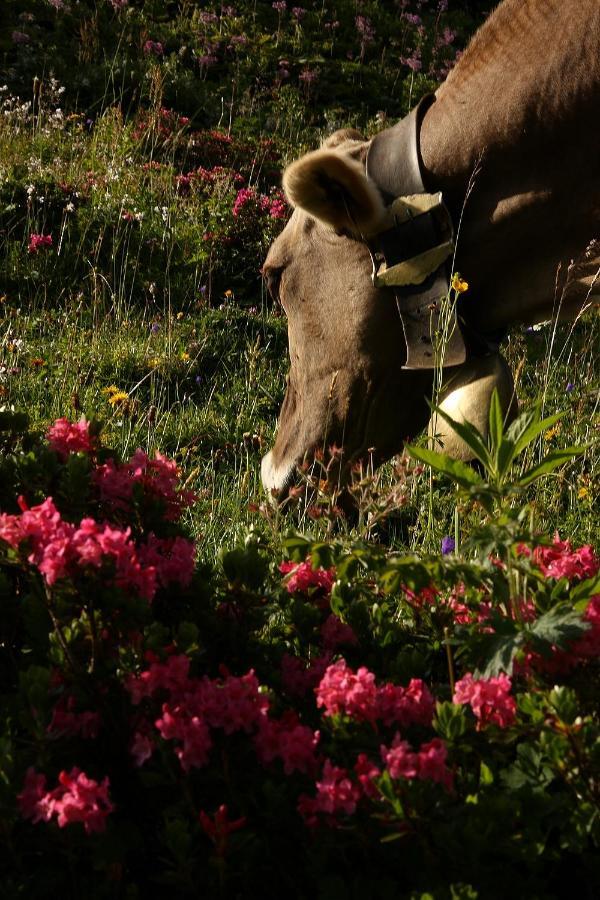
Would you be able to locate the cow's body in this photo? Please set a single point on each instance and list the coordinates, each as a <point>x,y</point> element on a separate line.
<point>513,143</point>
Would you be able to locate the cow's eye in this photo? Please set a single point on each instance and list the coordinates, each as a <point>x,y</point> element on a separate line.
<point>272,276</point>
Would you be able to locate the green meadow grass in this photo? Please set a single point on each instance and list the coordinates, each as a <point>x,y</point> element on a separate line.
<point>132,297</point>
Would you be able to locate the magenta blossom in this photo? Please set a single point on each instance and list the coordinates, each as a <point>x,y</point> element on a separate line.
<point>489,698</point>
<point>65,437</point>
<point>38,242</point>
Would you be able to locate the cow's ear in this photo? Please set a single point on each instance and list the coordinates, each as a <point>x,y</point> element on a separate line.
<point>333,187</point>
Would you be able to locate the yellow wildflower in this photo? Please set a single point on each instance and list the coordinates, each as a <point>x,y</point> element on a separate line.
<point>458,284</point>
<point>582,493</point>
<point>118,398</point>
<point>179,315</point>
<point>185,356</point>
<point>111,389</point>
<point>552,432</point>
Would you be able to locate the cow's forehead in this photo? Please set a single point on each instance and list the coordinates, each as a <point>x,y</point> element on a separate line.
<point>299,227</point>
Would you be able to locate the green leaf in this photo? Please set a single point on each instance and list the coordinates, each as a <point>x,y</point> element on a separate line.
<point>297,546</point>
<point>549,463</point>
<point>496,422</point>
<point>558,626</point>
<point>459,471</point>
<point>527,426</point>
<point>502,649</point>
<point>469,434</point>
<point>585,590</point>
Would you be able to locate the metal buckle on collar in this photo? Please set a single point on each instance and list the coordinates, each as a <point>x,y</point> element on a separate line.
<point>417,268</point>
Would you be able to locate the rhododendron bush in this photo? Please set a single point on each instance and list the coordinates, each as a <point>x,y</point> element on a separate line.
<point>328,720</point>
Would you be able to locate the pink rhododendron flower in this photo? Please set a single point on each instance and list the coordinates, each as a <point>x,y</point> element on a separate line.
<point>367,772</point>
<point>153,47</point>
<point>194,706</point>
<point>432,763</point>
<point>336,793</point>
<point>298,677</point>
<point>400,760</point>
<point>76,799</point>
<point>156,478</point>
<point>38,242</point>
<point>142,748</point>
<point>428,596</point>
<point>60,549</point>
<point>289,741</point>
<point>334,633</point>
<point>304,579</point>
<point>66,437</point>
<point>355,694</point>
<point>561,561</point>
<point>171,676</point>
<point>249,200</point>
<point>589,644</point>
<point>405,705</point>
<point>343,691</point>
<point>426,764</point>
<point>32,800</point>
<point>192,731</point>
<point>489,699</point>
<point>278,208</point>
<point>66,722</point>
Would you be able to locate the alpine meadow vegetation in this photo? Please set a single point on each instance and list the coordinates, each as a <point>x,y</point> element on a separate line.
<point>202,692</point>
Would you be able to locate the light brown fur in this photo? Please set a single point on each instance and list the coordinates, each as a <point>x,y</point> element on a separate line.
<point>514,130</point>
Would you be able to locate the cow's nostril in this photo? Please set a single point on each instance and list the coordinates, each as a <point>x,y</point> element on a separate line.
<point>272,276</point>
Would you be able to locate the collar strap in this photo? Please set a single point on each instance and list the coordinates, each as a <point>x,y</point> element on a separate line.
<point>411,251</point>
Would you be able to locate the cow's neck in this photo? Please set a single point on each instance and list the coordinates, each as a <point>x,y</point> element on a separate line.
<point>531,70</point>
<point>513,119</point>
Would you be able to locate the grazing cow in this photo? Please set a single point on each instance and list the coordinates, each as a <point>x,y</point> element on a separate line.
<point>511,139</point>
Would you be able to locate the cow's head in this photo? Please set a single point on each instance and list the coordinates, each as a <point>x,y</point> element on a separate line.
<point>346,385</point>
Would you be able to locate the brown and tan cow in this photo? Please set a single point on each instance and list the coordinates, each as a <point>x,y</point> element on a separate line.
<point>512,140</point>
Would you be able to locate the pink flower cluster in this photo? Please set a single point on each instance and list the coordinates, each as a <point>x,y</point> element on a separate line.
<point>586,648</point>
<point>561,561</point>
<point>426,764</point>
<point>304,579</point>
<point>250,201</point>
<point>298,677</point>
<point>153,47</point>
<point>66,437</point>
<point>38,242</point>
<point>66,722</point>
<point>288,740</point>
<point>335,633</point>
<point>62,550</point>
<point>355,694</point>
<point>336,793</point>
<point>490,699</point>
<point>77,798</point>
<point>194,706</point>
<point>120,483</point>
